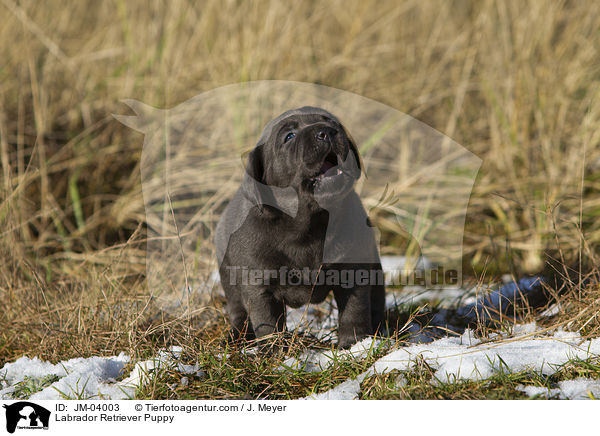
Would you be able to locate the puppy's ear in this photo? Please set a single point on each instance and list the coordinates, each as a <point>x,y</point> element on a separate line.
<point>355,152</point>
<point>254,165</point>
<point>254,176</point>
<point>260,194</point>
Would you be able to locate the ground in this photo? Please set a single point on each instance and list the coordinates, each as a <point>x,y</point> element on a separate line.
<point>513,360</point>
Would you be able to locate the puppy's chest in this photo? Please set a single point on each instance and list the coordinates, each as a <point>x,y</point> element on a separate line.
<point>298,265</point>
<point>296,246</point>
<point>308,255</point>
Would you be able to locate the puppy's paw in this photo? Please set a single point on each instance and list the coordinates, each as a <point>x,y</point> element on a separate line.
<point>346,341</point>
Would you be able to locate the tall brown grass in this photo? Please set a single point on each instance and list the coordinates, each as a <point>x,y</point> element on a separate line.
<point>517,83</point>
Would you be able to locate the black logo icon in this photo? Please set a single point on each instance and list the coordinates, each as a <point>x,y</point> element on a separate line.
<point>26,415</point>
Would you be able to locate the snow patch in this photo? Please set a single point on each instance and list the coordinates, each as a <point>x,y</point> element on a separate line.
<point>315,361</point>
<point>81,378</point>
<point>348,390</point>
<point>91,378</point>
<point>578,389</point>
<point>468,358</point>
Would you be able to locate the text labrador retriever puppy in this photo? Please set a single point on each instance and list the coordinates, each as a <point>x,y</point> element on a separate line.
<point>296,230</point>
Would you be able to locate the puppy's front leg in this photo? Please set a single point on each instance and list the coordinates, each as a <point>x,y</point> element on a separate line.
<point>354,314</point>
<point>266,313</point>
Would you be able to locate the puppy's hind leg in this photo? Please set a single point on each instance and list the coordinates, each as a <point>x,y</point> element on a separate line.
<point>354,315</point>
<point>378,309</point>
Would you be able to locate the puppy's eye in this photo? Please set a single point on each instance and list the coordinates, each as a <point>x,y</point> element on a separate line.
<point>288,137</point>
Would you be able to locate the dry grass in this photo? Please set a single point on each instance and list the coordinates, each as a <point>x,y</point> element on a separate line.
<point>515,82</point>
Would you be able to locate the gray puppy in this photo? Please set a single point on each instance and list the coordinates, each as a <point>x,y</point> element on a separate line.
<point>296,230</point>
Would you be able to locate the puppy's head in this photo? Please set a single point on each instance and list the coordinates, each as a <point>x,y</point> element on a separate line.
<point>309,150</point>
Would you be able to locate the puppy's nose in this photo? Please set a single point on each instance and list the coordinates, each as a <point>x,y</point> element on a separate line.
<point>325,134</point>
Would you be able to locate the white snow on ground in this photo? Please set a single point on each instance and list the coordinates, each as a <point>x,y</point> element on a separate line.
<point>578,389</point>
<point>314,361</point>
<point>468,358</point>
<point>347,390</point>
<point>89,378</point>
<point>319,320</point>
<point>93,377</point>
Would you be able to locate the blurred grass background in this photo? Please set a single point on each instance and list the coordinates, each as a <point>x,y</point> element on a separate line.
<point>515,82</point>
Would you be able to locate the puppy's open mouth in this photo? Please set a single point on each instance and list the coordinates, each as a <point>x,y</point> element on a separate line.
<point>329,167</point>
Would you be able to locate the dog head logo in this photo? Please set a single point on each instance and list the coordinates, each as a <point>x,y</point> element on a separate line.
<point>415,180</point>
<point>24,414</point>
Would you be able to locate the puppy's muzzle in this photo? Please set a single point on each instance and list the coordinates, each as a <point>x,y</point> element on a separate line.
<point>320,141</point>
<point>325,134</point>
